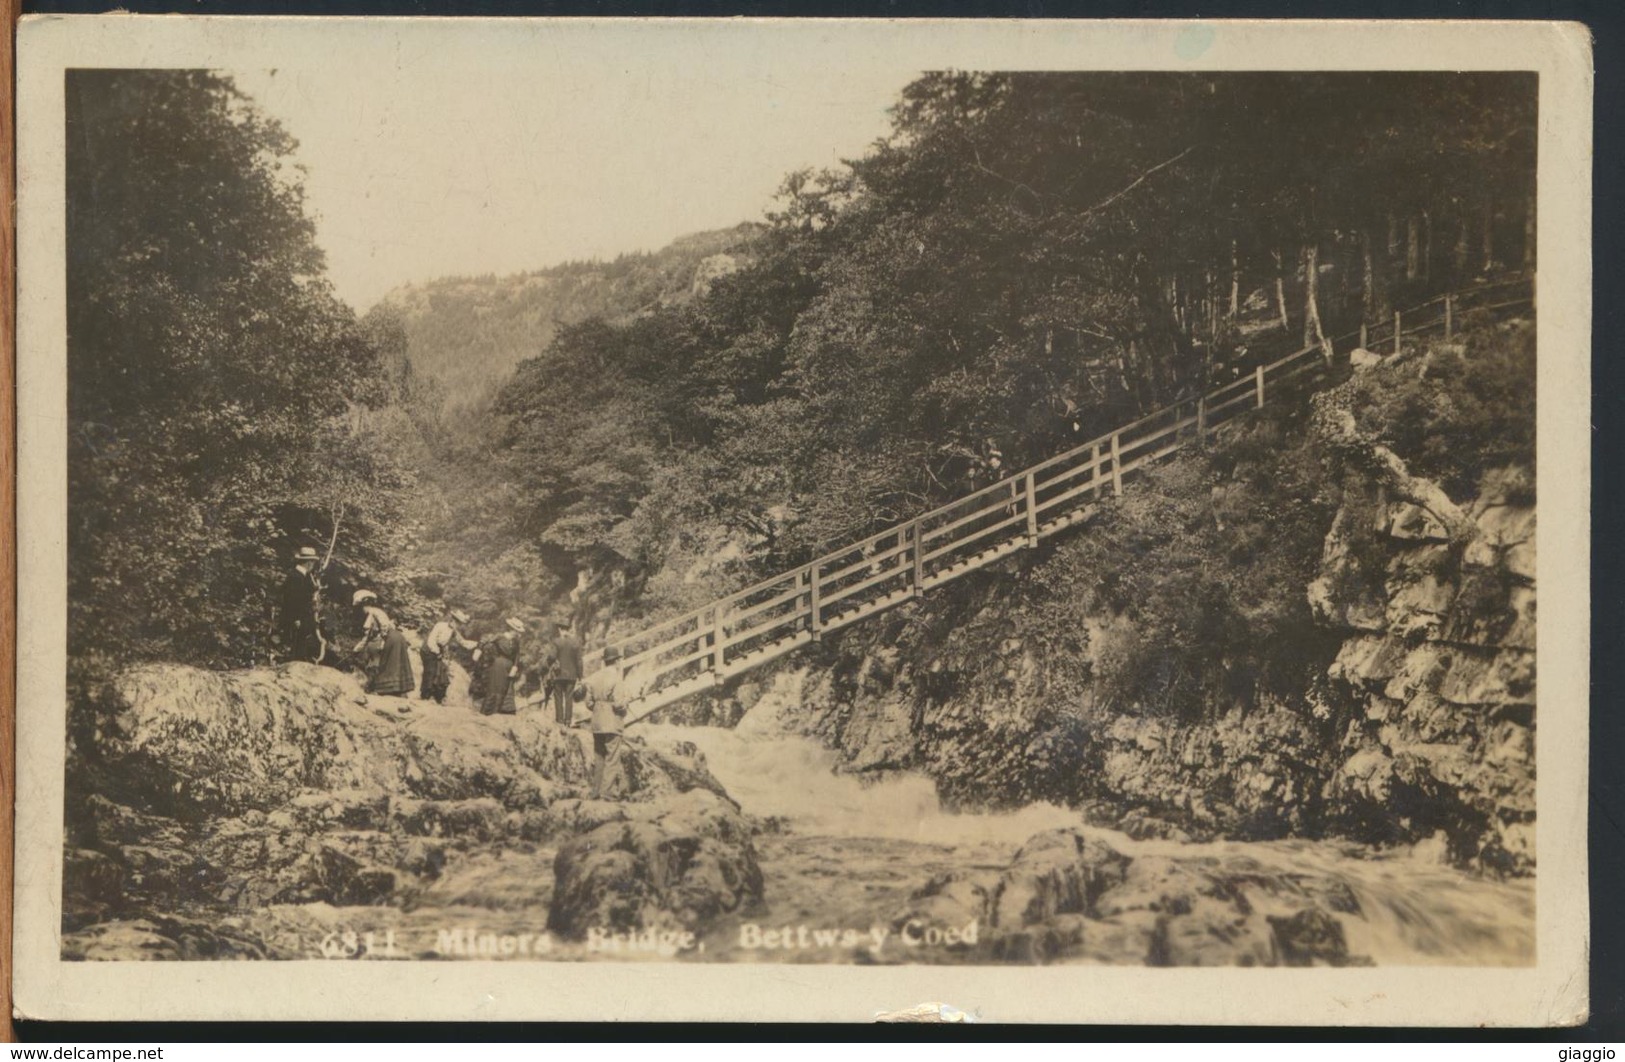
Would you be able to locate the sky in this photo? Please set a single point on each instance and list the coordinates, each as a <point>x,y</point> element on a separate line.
<point>465,165</point>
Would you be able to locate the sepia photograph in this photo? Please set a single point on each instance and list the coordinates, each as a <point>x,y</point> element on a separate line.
<point>711,510</point>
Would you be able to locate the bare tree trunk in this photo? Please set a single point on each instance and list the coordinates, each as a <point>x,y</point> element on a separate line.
<point>1489,236</point>
<point>1280,292</point>
<point>1212,310</point>
<point>1393,236</point>
<point>1312,334</point>
<point>1427,245</point>
<point>1368,279</point>
<point>1462,247</point>
<point>1412,258</point>
<point>1530,232</point>
<point>1235,280</point>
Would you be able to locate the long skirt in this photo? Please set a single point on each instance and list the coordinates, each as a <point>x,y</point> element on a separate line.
<point>436,677</point>
<point>499,688</point>
<point>394,677</point>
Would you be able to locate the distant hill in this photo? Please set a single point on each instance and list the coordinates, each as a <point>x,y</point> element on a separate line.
<point>468,333</point>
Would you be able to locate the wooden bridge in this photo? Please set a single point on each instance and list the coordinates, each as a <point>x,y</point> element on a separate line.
<point>701,649</point>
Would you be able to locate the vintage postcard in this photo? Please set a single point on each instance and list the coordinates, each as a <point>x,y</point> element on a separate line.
<point>750,520</point>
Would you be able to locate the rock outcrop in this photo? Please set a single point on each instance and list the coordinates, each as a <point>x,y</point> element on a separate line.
<point>1068,898</point>
<point>677,863</point>
<point>194,792</point>
<point>1444,687</point>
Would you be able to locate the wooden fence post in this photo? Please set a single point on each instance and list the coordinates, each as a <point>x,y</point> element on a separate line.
<point>919,561</point>
<point>812,575</point>
<point>719,639</point>
<point>1258,378</point>
<point>1032,510</point>
<point>1117,467</point>
<point>1449,308</point>
<point>1397,332</point>
<point>1201,420</point>
<point>1094,473</point>
<point>1362,335</point>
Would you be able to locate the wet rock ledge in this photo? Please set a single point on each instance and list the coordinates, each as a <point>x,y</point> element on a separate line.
<point>198,801</point>
<point>1068,898</point>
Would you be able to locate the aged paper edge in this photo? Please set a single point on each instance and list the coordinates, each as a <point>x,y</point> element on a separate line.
<point>1553,992</point>
<point>11,11</point>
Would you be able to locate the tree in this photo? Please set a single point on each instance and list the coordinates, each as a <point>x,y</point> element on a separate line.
<point>1024,261</point>
<point>211,370</point>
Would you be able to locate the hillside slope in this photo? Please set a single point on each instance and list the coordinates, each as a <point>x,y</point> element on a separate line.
<point>467,333</point>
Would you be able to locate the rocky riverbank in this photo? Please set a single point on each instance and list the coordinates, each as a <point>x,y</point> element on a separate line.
<point>284,814</point>
<point>228,814</point>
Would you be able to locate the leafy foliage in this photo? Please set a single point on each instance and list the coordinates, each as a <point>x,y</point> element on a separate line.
<point>1027,260</point>
<point>218,391</point>
<point>1466,409</point>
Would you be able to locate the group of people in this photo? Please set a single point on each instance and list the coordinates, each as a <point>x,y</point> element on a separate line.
<point>386,659</point>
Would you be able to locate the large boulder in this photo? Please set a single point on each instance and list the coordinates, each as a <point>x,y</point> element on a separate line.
<point>234,792</point>
<point>1056,872</point>
<point>1067,897</point>
<point>676,864</point>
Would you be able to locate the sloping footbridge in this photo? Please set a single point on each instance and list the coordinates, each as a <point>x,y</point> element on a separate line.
<point>701,649</point>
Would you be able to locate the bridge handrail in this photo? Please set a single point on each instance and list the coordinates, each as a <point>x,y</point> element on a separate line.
<point>668,650</point>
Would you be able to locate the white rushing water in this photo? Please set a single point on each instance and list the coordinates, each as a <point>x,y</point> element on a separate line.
<point>1413,909</point>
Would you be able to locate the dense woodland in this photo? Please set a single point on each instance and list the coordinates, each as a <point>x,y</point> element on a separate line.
<point>1025,260</point>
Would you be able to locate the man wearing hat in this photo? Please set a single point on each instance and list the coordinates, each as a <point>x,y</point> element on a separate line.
<point>300,636</point>
<point>566,673</point>
<point>436,669</point>
<point>607,694</point>
<point>502,671</point>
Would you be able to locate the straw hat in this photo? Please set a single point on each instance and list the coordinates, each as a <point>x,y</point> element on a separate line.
<point>459,615</point>
<point>515,626</point>
<point>306,553</point>
<point>363,595</point>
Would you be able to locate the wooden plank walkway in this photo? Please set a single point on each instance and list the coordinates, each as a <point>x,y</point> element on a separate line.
<point>699,650</point>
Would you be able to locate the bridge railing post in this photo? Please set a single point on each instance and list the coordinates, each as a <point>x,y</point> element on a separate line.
<point>1449,314</point>
<point>1032,510</point>
<point>1117,466</point>
<point>1258,380</point>
<point>719,638</point>
<point>1397,333</point>
<point>812,578</point>
<point>918,550</point>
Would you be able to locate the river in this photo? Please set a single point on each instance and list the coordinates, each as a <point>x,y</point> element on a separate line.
<point>841,852</point>
<point>848,852</point>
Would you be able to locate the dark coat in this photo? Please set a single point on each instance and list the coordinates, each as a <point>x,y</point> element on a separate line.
<point>566,659</point>
<point>298,614</point>
<point>500,656</point>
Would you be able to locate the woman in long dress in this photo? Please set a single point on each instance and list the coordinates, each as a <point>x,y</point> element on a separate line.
<point>502,671</point>
<point>388,662</point>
